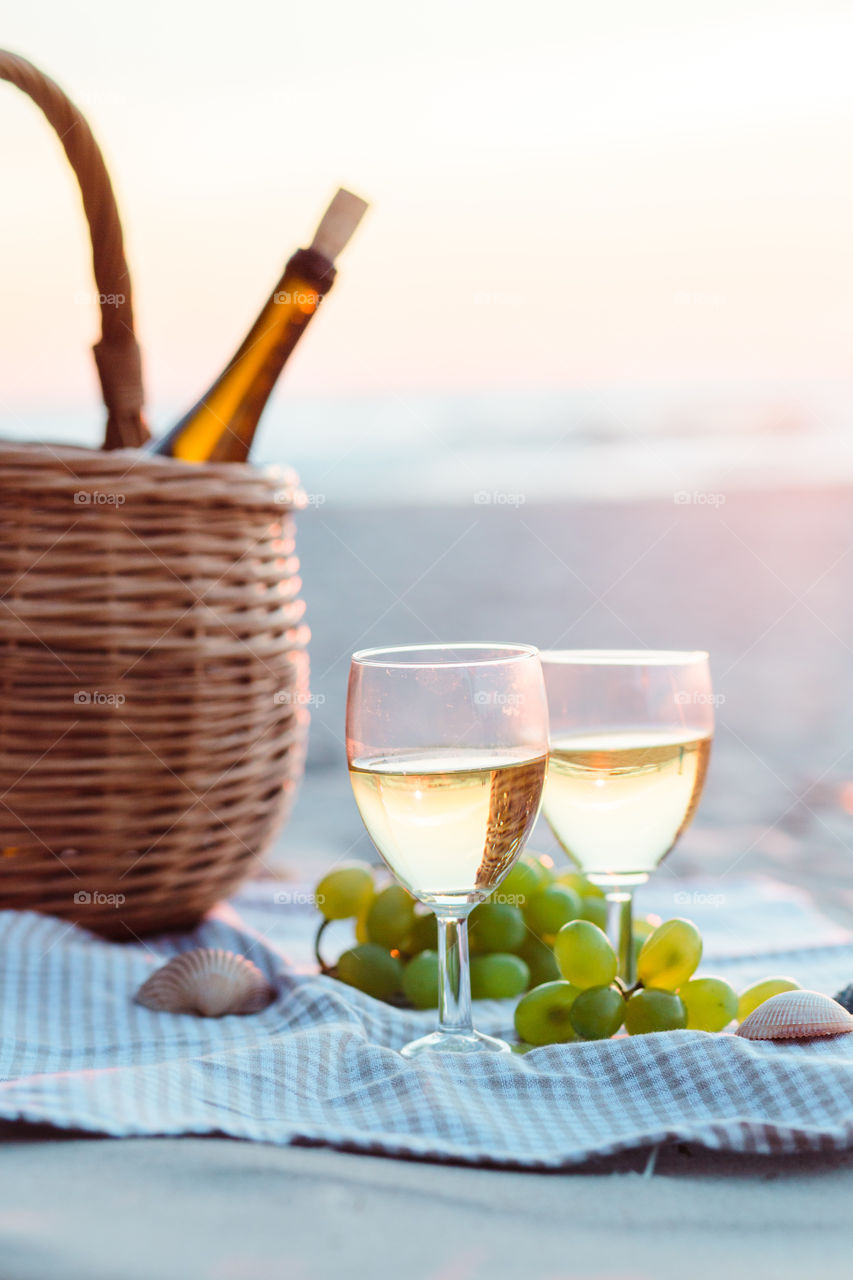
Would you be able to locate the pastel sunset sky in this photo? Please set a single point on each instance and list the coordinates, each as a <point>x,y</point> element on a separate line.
<point>562,192</point>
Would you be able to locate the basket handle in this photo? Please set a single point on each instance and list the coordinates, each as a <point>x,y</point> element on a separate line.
<point>117,354</point>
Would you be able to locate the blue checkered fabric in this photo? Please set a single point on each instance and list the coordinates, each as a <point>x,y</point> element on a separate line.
<point>320,1065</point>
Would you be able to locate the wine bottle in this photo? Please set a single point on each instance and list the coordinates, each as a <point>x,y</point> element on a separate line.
<point>221,426</point>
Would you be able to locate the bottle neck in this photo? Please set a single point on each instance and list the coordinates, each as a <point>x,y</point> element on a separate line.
<point>221,426</point>
<point>311,266</point>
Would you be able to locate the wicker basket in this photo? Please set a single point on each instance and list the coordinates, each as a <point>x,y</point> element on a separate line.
<point>153,664</point>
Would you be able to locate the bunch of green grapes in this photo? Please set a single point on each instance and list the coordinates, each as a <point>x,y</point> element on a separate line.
<point>385,924</point>
<point>540,932</point>
<point>512,933</point>
<point>589,1002</point>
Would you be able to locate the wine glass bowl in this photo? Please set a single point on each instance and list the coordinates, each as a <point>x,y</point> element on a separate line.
<point>447,748</point>
<point>631,737</point>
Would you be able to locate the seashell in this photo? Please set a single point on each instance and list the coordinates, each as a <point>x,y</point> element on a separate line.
<point>796,1015</point>
<point>207,982</point>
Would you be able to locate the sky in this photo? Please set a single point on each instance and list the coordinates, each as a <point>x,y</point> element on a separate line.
<point>562,193</point>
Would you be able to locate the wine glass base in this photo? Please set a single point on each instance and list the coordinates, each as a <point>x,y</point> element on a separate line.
<point>455,1043</point>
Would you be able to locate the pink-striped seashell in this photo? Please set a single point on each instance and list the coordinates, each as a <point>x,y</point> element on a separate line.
<point>796,1015</point>
<point>206,982</point>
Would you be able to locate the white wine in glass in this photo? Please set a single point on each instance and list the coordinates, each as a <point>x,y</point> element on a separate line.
<point>449,822</point>
<point>448,748</point>
<point>630,741</point>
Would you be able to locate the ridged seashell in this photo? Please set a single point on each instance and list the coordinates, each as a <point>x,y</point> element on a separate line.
<point>796,1015</point>
<point>206,982</point>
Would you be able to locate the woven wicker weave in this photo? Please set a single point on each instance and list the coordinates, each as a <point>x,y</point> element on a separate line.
<point>153,671</point>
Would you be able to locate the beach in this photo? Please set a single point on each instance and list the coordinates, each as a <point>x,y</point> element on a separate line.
<point>583,383</point>
<point>760,580</point>
<point>209,1209</point>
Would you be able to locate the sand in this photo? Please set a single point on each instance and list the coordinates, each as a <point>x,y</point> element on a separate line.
<point>760,580</point>
<point>210,1209</point>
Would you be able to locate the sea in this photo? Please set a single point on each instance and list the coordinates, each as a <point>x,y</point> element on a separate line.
<point>681,442</point>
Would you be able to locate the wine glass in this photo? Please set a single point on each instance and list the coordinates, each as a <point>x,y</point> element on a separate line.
<point>630,739</point>
<point>447,747</point>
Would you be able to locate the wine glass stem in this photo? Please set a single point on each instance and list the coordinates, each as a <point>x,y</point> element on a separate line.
<point>620,931</point>
<point>454,978</point>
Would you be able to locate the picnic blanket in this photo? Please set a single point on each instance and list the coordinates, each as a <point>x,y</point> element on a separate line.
<point>320,1065</point>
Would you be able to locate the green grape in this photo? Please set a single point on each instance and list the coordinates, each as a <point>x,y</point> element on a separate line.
<point>543,1015</point>
<point>420,980</point>
<point>644,926</point>
<point>496,926</point>
<point>670,955</point>
<point>344,892</point>
<point>551,908</point>
<point>520,884</point>
<point>498,976</point>
<point>539,958</point>
<point>390,918</point>
<point>543,866</point>
<point>594,909</point>
<point>575,880</point>
<point>654,1010</point>
<point>370,968</point>
<point>597,1013</point>
<point>541,875</point>
<point>584,955</point>
<point>761,991</point>
<point>710,1003</point>
<point>361,934</point>
<point>423,935</point>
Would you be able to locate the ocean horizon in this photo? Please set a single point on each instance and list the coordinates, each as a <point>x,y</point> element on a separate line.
<point>684,442</point>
